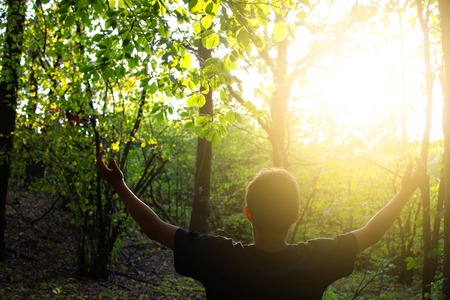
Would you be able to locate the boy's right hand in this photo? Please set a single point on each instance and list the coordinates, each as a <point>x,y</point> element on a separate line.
<point>112,174</point>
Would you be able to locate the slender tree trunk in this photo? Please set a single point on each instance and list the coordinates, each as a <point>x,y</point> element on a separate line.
<point>9,85</point>
<point>444,12</point>
<point>278,107</point>
<point>201,205</point>
<point>427,276</point>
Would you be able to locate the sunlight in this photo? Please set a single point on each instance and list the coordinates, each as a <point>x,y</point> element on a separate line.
<point>368,85</point>
<point>361,89</point>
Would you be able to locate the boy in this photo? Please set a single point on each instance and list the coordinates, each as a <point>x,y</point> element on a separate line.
<point>269,268</point>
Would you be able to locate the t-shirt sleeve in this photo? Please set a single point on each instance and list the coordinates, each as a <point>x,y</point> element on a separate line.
<point>335,256</point>
<point>194,253</point>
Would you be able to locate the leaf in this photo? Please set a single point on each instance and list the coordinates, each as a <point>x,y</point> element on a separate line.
<point>195,6</point>
<point>306,3</point>
<point>68,22</point>
<point>201,100</point>
<point>153,88</point>
<point>211,42</point>
<point>192,101</point>
<point>115,146</point>
<point>124,4</point>
<point>243,38</point>
<point>215,139</point>
<point>212,8</point>
<point>186,61</point>
<point>206,21</point>
<point>202,120</point>
<point>230,117</point>
<point>280,31</point>
<point>411,263</point>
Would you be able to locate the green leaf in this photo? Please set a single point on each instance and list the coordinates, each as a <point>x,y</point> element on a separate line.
<point>124,4</point>
<point>206,21</point>
<point>411,263</point>
<point>211,42</point>
<point>201,100</point>
<point>186,61</point>
<point>212,8</point>
<point>70,19</point>
<point>195,6</point>
<point>280,31</point>
<point>153,88</point>
<point>202,120</point>
<point>230,117</point>
<point>306,3</point>
<point>98,37</point>
<point>193,100</point>
<point>243,38</point>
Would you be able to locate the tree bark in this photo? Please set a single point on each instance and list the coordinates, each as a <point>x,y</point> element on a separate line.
<point>201,205</point>
<point>427,276</point>
<point>9,85</point>
<point>444,12</point>
<point>278,107</point>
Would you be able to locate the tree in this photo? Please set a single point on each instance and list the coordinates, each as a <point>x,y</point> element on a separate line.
<point>201,204</point>
<point>9,85</point>
<point>265,42</point>
<point>427,276</point>
<point>99,83</point>
<point>444,11</point>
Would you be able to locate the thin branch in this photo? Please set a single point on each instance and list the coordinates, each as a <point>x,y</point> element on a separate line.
<point>244,103</point>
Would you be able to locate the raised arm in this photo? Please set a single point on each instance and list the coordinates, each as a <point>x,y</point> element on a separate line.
<point>384,218</point>
<point>145,217</point>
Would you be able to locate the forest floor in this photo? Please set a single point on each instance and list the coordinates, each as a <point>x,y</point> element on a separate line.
<point>42,260</point>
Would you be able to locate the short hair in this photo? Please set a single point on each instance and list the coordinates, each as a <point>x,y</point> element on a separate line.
<point>272,199</point>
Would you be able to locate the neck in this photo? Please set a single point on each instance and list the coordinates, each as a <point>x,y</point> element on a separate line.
<point>269,241</point>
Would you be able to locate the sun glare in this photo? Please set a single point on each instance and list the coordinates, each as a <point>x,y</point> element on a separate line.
<point>361,89</point>
<point>372,84</point>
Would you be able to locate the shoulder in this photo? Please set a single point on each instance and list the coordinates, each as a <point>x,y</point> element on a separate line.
<point>344,241</point>
<point>194,252</point>
<point>185,238</point>
<point>331,251</point>
<point>194,244</point>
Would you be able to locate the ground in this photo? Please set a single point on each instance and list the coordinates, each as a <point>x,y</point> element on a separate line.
<point>42,260</point>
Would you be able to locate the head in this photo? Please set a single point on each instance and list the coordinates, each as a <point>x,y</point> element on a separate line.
<point>272,200</point>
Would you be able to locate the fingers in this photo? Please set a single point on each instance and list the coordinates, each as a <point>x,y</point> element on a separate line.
<point>101,166</point>
<point>420,166</point>
<point>409,169</point>
<point>113,164</point>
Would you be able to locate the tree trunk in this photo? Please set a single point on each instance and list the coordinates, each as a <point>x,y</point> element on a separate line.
<point>427,276</point>
<point>278,107</point>
<point>444,12</point>
<point>9,85</point>
<point>201,205</point>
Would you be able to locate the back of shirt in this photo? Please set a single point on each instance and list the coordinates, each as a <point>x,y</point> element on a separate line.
<point>234,271</point>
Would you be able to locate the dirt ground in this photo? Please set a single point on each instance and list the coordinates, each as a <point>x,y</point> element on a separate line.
<point>42,251</point>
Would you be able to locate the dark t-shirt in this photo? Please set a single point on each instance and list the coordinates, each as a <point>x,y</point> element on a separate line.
<point>230,270</point>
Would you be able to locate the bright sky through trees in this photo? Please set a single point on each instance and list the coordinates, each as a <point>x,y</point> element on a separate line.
<point>370,81</point>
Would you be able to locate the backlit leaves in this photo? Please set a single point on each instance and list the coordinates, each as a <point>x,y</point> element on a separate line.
<point>280,31</point>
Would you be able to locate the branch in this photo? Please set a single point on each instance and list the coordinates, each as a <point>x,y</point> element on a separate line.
<point>32,222</point>
<point>245,104</point>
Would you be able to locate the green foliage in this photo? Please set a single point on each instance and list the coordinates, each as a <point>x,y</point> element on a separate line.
<point>98,73</point>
